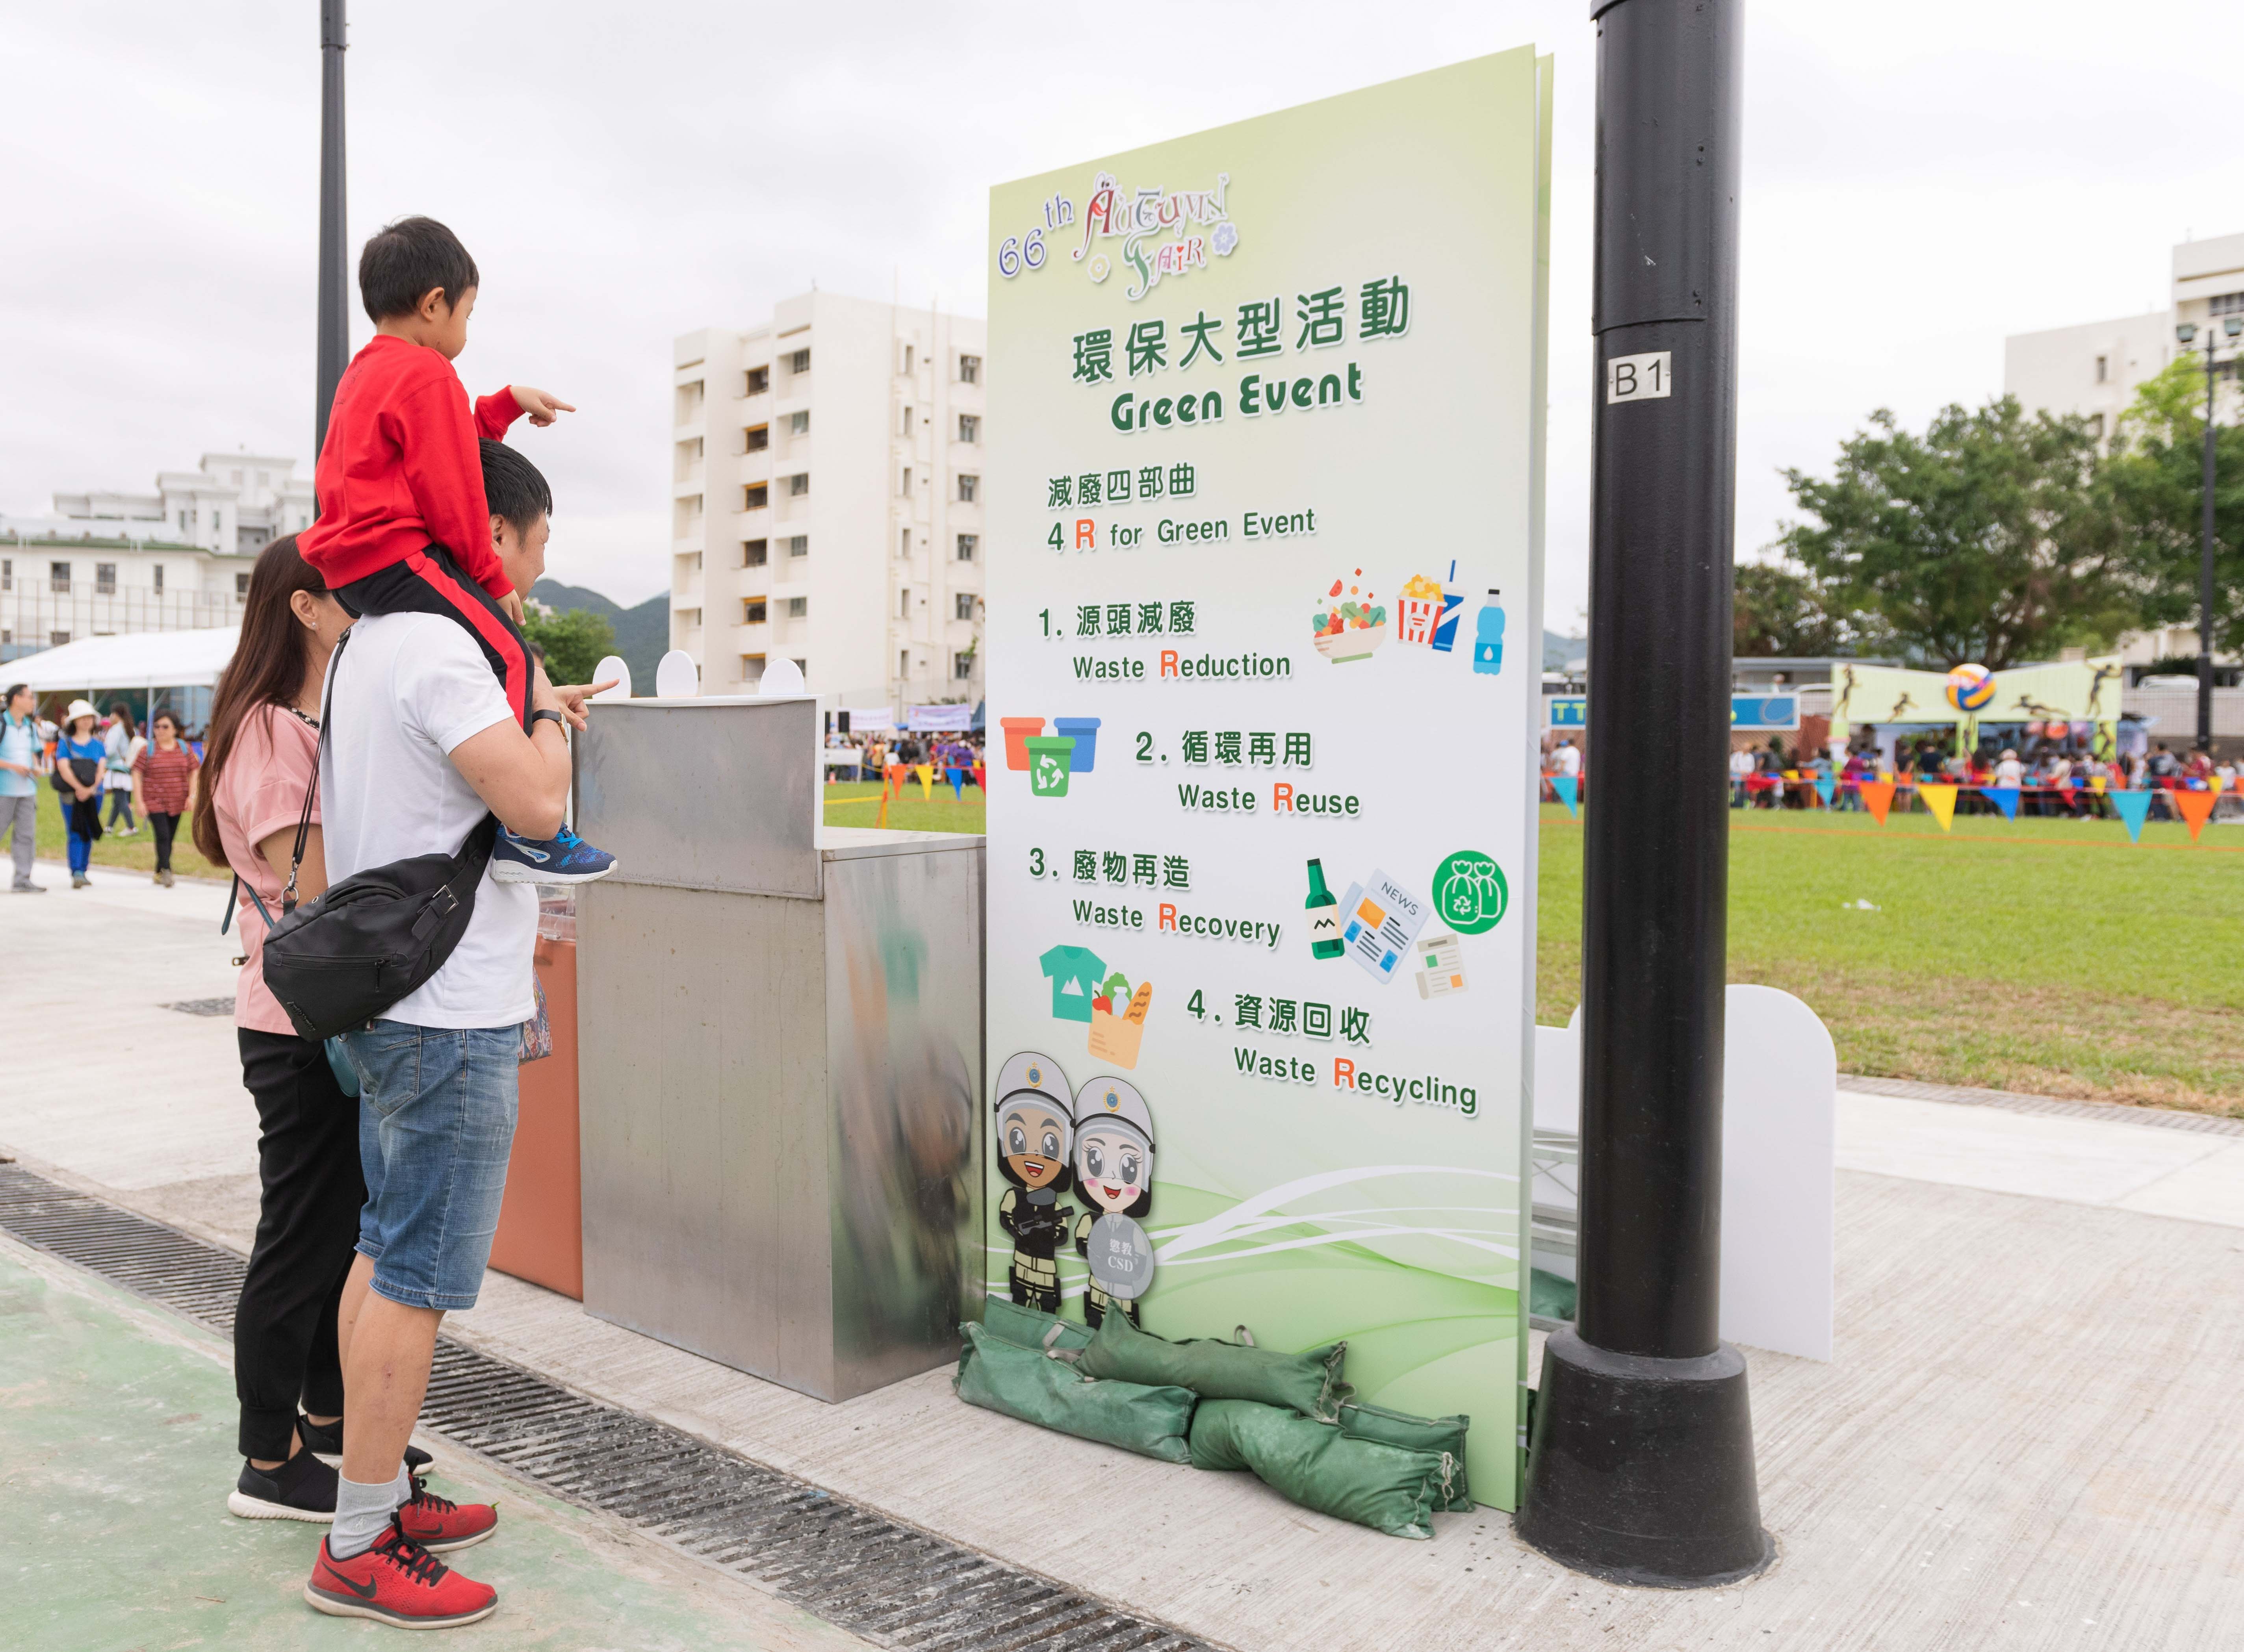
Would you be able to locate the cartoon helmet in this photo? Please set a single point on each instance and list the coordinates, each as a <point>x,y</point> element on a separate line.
<point>1034,1078</point>
<point>1114,1102</point>
<point>1039,1075</point>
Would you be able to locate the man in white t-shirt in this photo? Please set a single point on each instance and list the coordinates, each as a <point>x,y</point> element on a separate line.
<point>421,743</point>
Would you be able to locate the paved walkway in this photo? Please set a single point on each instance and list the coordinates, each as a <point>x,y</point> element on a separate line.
<point>116,1425</point>
<point>2032,1437</point>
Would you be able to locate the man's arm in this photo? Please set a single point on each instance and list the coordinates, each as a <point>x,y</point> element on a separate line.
<point>523,777</point>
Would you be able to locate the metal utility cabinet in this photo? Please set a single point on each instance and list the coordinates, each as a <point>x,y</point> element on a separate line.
<point>780,1053</point>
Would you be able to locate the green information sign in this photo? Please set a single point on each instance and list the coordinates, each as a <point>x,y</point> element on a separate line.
<point>1265,508</point>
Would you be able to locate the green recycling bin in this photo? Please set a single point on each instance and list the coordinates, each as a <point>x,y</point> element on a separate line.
<point>1051,758</point>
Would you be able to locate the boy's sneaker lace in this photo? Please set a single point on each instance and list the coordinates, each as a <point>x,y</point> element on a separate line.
<point>440,1525</point>
<point>397,1582</point>
<point>564,858</point>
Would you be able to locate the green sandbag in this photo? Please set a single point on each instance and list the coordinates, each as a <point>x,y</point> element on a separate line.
<point>1029,1327</point>
<point>1435,1435</point>
<point>1309,1383</point>
<point>1386,1487</point>
<point>994,1373</point>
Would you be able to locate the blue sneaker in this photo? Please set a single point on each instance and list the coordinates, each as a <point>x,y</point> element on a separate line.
<point>565,858</point>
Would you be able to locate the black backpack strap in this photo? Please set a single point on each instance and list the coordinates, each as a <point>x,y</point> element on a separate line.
<point>312,789</point>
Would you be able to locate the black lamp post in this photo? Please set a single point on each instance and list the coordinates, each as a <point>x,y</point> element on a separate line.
<point>335,322</point>
<point>1641,1464</point>
<point>2186,332</point>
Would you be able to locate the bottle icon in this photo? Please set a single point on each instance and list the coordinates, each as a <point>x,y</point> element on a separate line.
<point>1324,916</point>
<point>1488,636</point>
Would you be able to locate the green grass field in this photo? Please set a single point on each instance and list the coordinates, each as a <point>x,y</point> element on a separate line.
<point>2051,956</point>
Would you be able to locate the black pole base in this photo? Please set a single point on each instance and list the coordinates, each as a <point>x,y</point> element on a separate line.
<point>1641,1470</point>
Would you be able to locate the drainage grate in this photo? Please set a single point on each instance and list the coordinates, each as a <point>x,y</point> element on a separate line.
<point>891,1584</point>
<point>202,1006</point>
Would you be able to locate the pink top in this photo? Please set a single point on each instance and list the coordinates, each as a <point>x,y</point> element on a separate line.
<point>261,791</point>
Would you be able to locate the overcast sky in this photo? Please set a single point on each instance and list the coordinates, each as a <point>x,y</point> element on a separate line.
<point>1921,179</point>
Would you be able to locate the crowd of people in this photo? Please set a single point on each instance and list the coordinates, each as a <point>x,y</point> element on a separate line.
<point>2055,779</point>
<point>958,756</point>
<point>107,776</point>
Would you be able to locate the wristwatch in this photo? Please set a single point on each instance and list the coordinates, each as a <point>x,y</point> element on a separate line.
<point>544,711</point>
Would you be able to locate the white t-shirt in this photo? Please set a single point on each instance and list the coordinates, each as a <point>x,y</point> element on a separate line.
<point>1741,765</point>
<point>2010,772</point>
<point>1567,760</point>
<point>411,688</point>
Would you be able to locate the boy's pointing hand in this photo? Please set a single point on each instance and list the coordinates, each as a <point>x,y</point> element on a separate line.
<point>542,409</point>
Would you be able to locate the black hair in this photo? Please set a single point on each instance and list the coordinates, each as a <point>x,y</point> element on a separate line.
<point>513,487</point>
<point>14,688</point>
<point>397,266</point>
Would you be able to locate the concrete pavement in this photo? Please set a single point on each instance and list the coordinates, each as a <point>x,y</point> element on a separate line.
<point>2032,1435</point>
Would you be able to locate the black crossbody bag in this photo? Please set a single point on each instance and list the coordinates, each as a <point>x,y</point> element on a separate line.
<point>345,957</point>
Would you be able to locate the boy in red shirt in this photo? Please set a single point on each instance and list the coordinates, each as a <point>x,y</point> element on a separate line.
<point>403,523</point>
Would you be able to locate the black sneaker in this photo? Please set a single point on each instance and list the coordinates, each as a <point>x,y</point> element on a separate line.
<point>303,1488</point>
<point>326,1443</point>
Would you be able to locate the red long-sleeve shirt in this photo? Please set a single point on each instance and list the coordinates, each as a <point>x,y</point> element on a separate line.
<point>401,467</point>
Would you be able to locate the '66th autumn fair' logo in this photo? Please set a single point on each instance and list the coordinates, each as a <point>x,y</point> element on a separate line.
<point>1163,233</point>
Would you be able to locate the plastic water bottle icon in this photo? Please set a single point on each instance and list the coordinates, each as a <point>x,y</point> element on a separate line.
<point>1488,636</point>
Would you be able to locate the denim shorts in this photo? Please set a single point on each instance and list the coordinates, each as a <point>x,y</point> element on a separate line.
<point>435,1121</point>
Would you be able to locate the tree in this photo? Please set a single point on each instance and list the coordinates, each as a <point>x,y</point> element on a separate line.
<point>1989,538</point>
<point>1782,611</point>
<point>574,641</point>
<point>2156,478</point>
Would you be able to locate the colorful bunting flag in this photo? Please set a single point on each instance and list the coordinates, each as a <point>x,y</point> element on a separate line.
<point>1940,800</point>
<point>1824,788</point>
<point>2004,798</point>
<point>2133,807</point>
<point>2196,808</point>
<point>1568,787</point>
<point>1877,796</point>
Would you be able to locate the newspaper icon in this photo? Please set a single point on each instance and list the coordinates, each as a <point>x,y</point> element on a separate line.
<point>1441,966</point>
<point>1380,919</point>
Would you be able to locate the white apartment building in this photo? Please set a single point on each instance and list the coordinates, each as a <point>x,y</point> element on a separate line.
<point>110,564</point>
<point>60,583</point>
<point>235,502</point>
<point>2094,368</point>
<point>827,501</point>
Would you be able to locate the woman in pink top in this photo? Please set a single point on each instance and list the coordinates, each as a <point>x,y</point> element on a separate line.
<point>261,754</point>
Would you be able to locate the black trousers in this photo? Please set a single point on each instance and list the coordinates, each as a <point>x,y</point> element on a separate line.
<point>284,1326</point>
<point>429,581</point>
<point>164,826</point>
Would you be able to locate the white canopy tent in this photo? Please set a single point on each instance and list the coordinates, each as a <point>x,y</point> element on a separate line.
<point>144,660</point>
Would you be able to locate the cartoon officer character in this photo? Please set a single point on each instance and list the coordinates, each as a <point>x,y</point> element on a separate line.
<point>1114,1169</point>
<point>1033,1144</point>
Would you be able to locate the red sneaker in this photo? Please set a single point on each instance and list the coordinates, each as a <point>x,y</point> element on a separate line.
<point>440,1525</point>
<point>397,1582</point>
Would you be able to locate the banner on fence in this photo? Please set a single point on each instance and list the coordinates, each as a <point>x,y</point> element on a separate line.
<point>2078,691</point>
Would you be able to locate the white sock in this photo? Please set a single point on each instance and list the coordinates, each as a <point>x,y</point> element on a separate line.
<point>363,1511</point>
